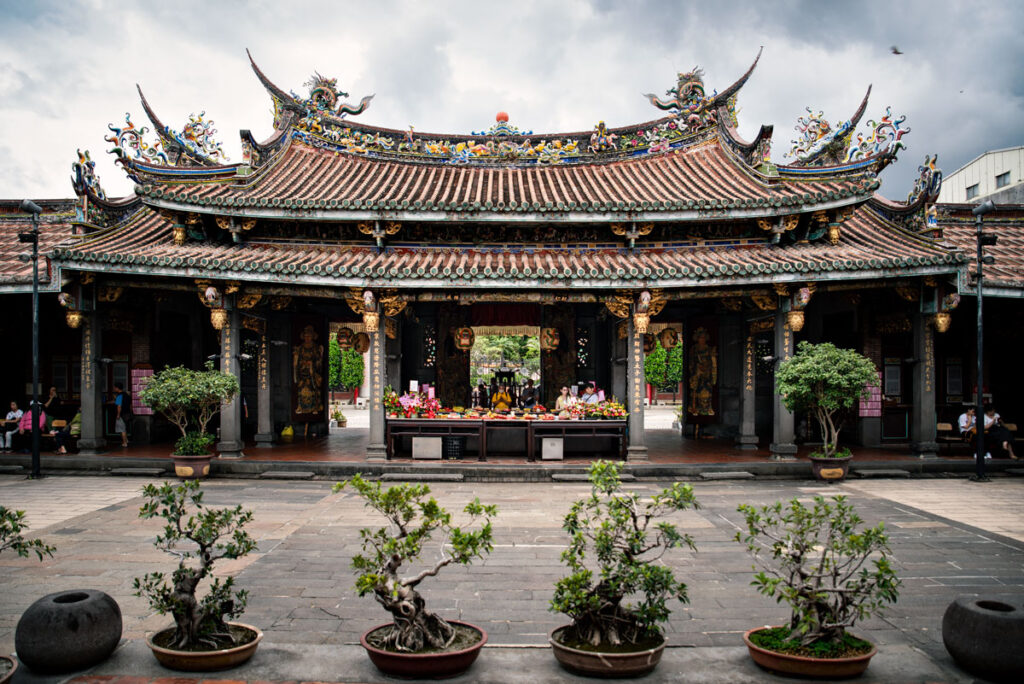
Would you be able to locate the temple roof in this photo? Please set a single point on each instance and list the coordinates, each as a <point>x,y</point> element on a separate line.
<point>310,182</point>
<point>54,228</point>
<point>1004,277</point>
<point>869,246</point>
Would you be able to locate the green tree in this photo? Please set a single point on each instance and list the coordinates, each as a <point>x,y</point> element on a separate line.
<point>674,367</point>
<point>351,373</point>
<point>518,351</point>
<point>12,525</point>
<point>334,363</point>
<point>654,366</point>
<point>186,397</point>
<point>824,379</point>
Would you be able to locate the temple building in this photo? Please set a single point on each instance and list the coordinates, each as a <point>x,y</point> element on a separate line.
<point>607,242</point>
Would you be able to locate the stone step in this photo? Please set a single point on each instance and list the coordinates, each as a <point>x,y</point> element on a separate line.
<point>143,472</point>
<point>11,469</point>
<point>879,472</point>
<point>1008,471</point>
<point>583,477</point>
<point>422,477</point>
<point>727,475</point>
<point>287,475</point>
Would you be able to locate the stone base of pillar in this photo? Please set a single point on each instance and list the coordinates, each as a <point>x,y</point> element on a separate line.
<point>230,450</point>
<point>783,451</point>
<point>635,454</point>
<point>376,452</point>
<point>92,447</point>
<point>925,449</point>
<point>746,442</point>
<point>265,439</point>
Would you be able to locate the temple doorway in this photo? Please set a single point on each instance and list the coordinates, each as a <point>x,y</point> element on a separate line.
<point>504,357</point>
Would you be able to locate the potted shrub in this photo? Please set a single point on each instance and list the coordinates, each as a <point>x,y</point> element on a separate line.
<point>830,570</point>
<point>201,639</point>
<point>615,550</point>
<point>339,418</point>
<point>189,397</point>
<point>823,380</point>
<point>417,643</point>
<point>12,527</point>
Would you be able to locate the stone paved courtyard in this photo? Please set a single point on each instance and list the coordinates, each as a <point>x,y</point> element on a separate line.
<point>949,537</point>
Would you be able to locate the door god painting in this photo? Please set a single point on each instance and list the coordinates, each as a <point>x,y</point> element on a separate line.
<point>308,375</point>
<point>703,374</point>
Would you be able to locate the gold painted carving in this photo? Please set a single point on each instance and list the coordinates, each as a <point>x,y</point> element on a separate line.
<point>908,292</point>
<point>765,302</point>
<point>280,303</point>
<point>781,289</point>
<point>365,227</point>
<point>179,235</point>
<point>109,294</point>
<point>733,304</point>
<point>255,324</point>
<point>766,224</point>
<point>789,222</point>
<point>619,229</point>
<point>392,227</point>
<point>248,301</point>
<point>88,278</point>
<point>834,233</point>
<point>392,305</point>
<point>390,328</point>
<point>763,325</point>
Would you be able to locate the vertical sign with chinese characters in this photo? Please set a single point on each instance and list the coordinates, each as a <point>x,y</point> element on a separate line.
<point>87,361</point>
<point>929,358</point>
<point>263,376</point>
<point>748,365</point>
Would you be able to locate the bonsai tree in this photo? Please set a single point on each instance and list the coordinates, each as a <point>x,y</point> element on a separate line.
<point>189,397</point>
<point>12,525</point>
<point>198,537</point>
<point>627,538</point>
<point>823,379</point>
<point>820,561</point>
<point>412,519</point>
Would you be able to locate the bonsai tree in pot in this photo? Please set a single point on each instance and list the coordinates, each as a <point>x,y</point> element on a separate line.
<point>616,544</point>
<point>824,380</point>
<point>188,397</point>
<point>198,536</point>
<point>12,528</point>
<point>413,517</point>
<point>830,570</point>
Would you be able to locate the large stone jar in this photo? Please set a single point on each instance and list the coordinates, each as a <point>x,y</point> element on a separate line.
<point>984,636</point>
<point>68,631</point>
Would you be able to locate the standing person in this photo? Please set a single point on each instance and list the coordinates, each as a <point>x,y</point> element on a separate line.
<point>528,397</point>
<point>10,426</point>
<point>123,406</point>
<point>501,401</point>
<point>996,432</point>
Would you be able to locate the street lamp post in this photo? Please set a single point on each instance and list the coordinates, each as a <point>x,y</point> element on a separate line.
<point>30,207</point>
<point>983,239</point>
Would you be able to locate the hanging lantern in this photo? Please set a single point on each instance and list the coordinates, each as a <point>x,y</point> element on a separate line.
<point>371,321</point>
<point>669,338</point>
<point>648,343</point>
<point>74,318</point>
<point>942,322</point>
<point>640,321</point>
<point>345,336</point>
<point>218,318</point>
<point>464,339</point>
<point>361,343</point>
<point>795,320</point>
<point>549,339</point>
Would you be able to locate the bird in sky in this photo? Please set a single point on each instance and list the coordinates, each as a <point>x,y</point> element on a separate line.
<point>895,50</point>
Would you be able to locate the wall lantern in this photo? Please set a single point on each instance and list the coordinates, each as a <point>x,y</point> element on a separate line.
<point>795,320</point>
<point>73,318</point>
<point>640,322</point>
<point>218,318</point>
<point>942,322</point>
<point>371,321</point>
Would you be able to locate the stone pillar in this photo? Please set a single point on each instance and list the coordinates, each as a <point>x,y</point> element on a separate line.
<point>92,440</point>
<point>230,444</point>
<point>782,445</point>
<point>637,448</point>
<point>264,414</point>
<point>747,439</point>
<point>922,417</point>
<point>376,450</point>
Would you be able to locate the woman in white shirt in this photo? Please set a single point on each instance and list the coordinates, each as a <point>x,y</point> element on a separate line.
<point>13,416</point>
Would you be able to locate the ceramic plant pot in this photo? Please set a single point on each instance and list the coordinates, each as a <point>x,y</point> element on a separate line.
<point>830,469</point>
<point>424,665</point>
<point>603,664</point>
<point>802,666</point>
<point>191,467</point>
<point>206,661</point>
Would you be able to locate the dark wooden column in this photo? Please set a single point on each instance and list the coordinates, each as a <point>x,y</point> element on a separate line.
<point>376,450</point>
<point>92,440</point>
<point>264,414</point>
<point>637,448</point>
<point>783,445</point>
<point>230,444</point>
<point>747,439</point>
<point>922,417</point>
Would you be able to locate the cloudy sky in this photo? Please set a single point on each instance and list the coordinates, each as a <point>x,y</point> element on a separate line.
<point>69,67</point>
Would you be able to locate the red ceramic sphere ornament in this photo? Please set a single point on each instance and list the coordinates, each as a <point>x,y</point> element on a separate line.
<point>501,117</point>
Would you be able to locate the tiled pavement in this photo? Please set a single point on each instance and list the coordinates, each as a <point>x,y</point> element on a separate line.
<point>949,537</point>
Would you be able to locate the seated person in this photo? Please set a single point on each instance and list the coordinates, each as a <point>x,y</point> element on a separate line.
<point>590,395</point>
<point>73,430</point>
<point>996,434</point>
<point>23,439</point>
<point>967,423</point>
<point>564,400</point>
<point>501,401</point>
<point>528,397</point>
<point>10,426</point>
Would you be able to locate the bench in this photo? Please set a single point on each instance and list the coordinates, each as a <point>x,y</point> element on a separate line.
<point>946,433</point>
<point>47,438</point>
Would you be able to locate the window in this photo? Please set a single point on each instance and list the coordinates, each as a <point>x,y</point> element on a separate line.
<point>972,191</point>
<point>1003,179</point>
